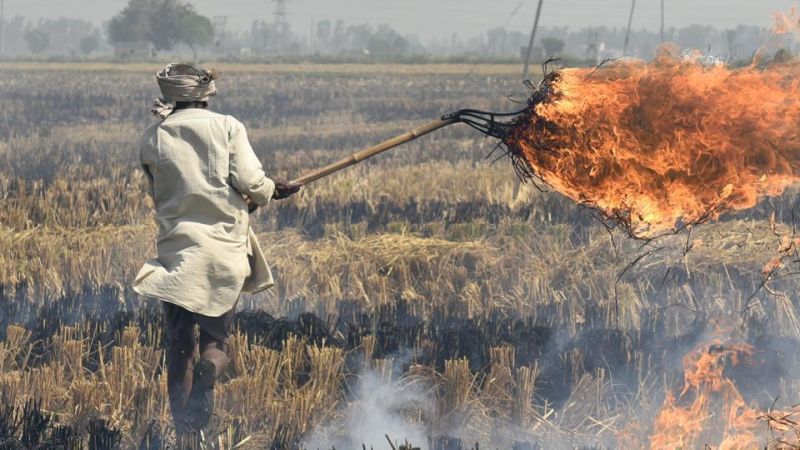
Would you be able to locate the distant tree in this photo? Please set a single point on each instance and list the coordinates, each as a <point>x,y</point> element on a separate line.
<point>324,35</point>
<point>324,30</point>
<point>552,46</point>
<point>89,44</point>
<point>194,30</point>
<point>496,39</point>
<point>132,23</point>
<point>37,40</point>
<point>164,19</point>
<point>385,41</point>
<point>731,37</point>
<point>356,37</point>
<point>697,36</point>
<point>339,35</point>
<point>162,22</point>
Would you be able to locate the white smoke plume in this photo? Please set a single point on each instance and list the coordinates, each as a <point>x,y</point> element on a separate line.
<point>379,408</point>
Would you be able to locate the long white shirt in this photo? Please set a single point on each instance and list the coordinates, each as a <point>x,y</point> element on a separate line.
<point>200,164</point>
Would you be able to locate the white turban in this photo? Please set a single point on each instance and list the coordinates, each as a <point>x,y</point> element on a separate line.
<point>197,86</point>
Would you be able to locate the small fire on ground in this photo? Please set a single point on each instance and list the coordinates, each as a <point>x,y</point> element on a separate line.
<point>709,410</point>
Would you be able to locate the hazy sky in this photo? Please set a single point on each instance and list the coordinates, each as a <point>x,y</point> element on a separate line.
<point>441,18</point>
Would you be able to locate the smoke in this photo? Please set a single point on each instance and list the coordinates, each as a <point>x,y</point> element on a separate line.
<point>380,408</point>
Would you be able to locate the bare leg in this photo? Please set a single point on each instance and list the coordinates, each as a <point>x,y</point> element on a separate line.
<point>180,363</point>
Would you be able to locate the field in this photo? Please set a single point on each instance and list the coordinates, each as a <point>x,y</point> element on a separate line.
<point>427,294</point>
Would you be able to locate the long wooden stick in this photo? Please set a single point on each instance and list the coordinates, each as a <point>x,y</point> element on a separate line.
<point>359,156</point>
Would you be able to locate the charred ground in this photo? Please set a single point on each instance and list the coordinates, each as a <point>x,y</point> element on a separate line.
<point>516,313</point>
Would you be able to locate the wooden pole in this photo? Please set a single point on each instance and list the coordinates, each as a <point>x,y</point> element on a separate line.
<point>628,33</point>
<point>530,43</point>
<point>662,20</point>
<point>359,156</point>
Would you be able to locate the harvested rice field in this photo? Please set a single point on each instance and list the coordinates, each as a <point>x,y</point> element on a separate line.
<point>426,296</point>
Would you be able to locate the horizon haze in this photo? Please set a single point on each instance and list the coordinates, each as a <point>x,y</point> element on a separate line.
<point>445,17</point>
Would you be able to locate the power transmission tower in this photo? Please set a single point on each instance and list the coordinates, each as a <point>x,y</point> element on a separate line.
<point>530,44</point>
<point>628,33</point>
<point>281,24</point>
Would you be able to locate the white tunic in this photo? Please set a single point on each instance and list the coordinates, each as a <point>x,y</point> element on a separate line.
<point>200,164</point>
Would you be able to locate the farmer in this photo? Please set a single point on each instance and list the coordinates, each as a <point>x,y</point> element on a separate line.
<point>204,179</point>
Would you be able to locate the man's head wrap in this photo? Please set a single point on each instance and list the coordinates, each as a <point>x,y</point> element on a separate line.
<point>183,83</point>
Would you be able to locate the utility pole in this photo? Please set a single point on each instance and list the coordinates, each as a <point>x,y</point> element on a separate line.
<point>281,24</point>
<point>662,20</point>
<point>530,44</point>
<point>628,33</point>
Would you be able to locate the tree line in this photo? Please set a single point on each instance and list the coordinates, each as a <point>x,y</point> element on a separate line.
<point>176,26</point>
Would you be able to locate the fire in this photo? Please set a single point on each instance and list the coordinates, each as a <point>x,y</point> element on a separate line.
<point>708,404</point>
<point>786,23</point>
<point>709,411</point>
<point>658,145</point>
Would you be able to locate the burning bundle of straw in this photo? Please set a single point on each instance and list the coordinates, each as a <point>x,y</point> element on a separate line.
<point>653,147</point>
<point>656,146</point>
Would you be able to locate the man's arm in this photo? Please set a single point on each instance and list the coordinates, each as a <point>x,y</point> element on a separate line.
<point>247,175</point>
<point>146,168</point>
<point>150,188</point>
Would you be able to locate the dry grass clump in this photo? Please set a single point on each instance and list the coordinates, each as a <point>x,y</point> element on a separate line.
<point>270,396</point>
<point>60,260</point>
<point>376,270</point>
<point>126,389</point>
<point>494,270</point>
<point>444,182</point>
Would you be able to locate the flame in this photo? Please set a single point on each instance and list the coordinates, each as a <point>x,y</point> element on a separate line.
<point>784,23</point>
<point>709,401</point>
<point>709,411</point>
<point>657,145</point>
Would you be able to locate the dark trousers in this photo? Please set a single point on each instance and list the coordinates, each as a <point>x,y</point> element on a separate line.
<point>181,334</point>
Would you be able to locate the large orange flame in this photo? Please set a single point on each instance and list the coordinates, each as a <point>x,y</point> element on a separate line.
<point>676,141</point>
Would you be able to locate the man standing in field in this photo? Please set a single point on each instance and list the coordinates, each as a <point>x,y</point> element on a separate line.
<point>204,179</point>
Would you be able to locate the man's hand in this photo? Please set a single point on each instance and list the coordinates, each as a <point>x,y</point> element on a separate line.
<point>284,189</point>
<point>251,205</point>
